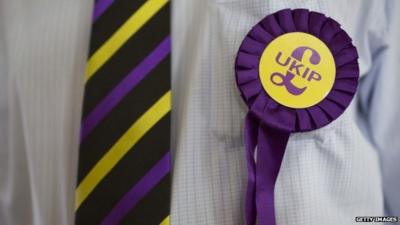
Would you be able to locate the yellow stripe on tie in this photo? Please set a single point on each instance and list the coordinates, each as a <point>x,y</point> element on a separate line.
<point>129,28</point>
<point>138,129</point>
<point>165,221</point>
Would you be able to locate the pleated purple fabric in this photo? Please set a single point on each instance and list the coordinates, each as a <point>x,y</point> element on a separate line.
<point>269,124</point>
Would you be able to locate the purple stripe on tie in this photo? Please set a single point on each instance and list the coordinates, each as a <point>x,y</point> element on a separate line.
<point>138,191</point>
<point>100,7</point>
<point>125,86</point>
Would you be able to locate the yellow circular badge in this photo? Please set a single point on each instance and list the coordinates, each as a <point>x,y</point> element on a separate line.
<point>297,70</point>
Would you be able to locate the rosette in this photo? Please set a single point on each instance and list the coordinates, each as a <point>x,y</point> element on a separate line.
<point>297,71</point>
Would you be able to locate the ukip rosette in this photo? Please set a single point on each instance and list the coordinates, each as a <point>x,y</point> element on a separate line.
<point>297,71</point>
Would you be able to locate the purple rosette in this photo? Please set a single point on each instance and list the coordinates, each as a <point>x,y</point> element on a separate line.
<point>268,123</point>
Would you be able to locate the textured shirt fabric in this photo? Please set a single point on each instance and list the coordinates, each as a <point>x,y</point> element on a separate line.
<point>328,176</point>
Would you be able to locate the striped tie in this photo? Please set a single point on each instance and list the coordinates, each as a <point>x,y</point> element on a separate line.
<point>124,159</point>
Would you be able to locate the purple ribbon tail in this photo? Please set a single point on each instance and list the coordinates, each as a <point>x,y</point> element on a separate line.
<point>262,172</point>
<point>270,151</point>
<point>250,137</point>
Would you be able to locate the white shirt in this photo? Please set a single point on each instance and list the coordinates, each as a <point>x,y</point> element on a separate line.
<point>328,176</point>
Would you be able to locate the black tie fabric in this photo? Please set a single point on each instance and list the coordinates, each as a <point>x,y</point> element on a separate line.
<point>124,159</point>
